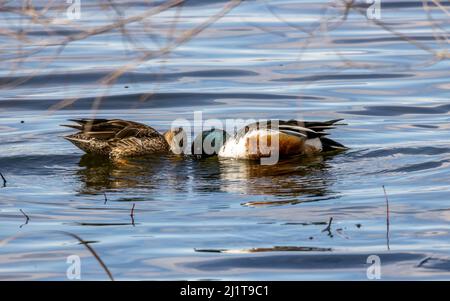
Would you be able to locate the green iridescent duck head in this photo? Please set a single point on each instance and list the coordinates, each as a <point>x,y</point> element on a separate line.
<point>208,143</point>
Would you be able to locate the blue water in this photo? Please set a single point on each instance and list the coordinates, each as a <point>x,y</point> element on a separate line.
<point>221,219</point>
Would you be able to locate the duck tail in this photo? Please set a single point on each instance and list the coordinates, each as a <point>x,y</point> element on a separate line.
<point>331,145</point>
<point>73,126</point>
<point>323,123</point>
<point>79,142</point>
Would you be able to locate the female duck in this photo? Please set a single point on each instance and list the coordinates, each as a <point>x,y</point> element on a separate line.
<point>119,138</point>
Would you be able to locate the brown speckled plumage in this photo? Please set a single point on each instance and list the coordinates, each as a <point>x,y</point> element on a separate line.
<point>117,138</point>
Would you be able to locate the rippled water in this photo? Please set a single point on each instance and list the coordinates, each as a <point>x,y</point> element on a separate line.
<point>216,219</point>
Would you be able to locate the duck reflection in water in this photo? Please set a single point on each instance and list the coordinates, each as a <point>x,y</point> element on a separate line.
<point>291,181</point>
<point>291,178</point>
<point>150,173</point>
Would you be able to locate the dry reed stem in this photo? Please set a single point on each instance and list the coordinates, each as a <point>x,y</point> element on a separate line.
<point>27,46</point>
<point>91,250</point>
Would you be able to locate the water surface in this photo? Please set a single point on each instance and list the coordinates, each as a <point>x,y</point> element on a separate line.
<point>225,219</point>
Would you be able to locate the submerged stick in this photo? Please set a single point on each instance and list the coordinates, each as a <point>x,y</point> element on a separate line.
<point>423,261</point>
<point>132,214</point>
<point>387,218</point>
<point>80,240</point>
<point>4,180</point>
<point>132,210</point>
<point>91,250</point>
<point>27,218</point>
<point>328,228</point>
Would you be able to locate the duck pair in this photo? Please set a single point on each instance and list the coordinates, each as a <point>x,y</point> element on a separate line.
<point>119,138</point>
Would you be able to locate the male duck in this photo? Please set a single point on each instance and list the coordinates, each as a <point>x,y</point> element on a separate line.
<point>254,141</point>
<point>119,138</point>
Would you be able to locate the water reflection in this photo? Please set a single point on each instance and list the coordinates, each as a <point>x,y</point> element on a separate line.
<point>293,178</point>
<point>300,176</point>
<point>100,174</point>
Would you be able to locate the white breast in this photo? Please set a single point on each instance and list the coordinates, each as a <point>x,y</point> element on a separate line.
<point>237,148</point>
<point>233,149</point>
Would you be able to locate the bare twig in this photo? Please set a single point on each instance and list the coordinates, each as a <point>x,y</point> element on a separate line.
<point>387,218</point>
<point>106,199</point>
<point>4,180</point>
<point>182,39</point>
<point>91,250</point>
<point>328,228</point>
<point>423,261</point>
<point>7,240</point>
<point>27,218</point>
<point>402,36</point>
<point>132,214</point>
<point>132,210</point>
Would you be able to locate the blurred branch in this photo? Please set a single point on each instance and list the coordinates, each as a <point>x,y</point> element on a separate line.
<point>183,38</point>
